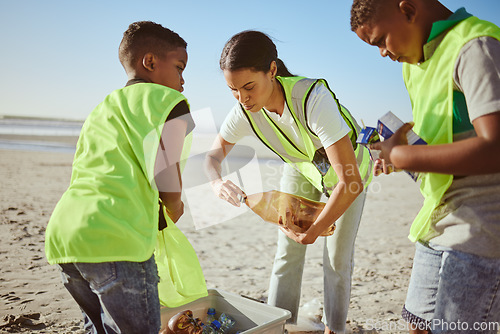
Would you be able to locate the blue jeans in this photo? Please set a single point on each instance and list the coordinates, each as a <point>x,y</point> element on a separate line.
<point>454,292</point>
<point>115,297</point>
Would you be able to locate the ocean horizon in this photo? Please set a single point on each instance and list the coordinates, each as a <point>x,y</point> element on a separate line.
<point>33,126</point>
<point>60,135</point>
<point>38,134</point>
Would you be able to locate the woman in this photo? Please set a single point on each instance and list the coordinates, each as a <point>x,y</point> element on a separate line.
<point>300,120</point>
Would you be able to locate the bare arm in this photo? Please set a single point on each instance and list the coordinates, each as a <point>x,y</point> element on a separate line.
<point>343,161</point>
<point>167,170</point>
<point>226,190</point>
<point>478,155</point>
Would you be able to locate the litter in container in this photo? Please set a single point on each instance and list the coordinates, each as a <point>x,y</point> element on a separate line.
<point>251,316</point>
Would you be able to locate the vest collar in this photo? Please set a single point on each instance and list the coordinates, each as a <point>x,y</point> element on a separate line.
<point>135,81</point>
<point>439,30</point>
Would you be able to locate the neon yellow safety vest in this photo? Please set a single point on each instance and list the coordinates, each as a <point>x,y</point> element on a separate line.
<point>430,86</point>
<point>110,210</point>
<point>311,163</point>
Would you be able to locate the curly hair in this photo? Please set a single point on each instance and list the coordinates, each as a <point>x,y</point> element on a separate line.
<point>145,36</point>
<point>365,11</point>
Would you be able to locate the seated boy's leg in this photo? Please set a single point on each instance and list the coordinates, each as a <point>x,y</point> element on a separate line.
<point>468,295</point>
<point>422,290</point>
<point>88,301</point>
<point>128,294</point>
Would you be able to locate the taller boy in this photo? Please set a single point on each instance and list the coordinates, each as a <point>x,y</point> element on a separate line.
<point>103,231</point>
<point>452,73</point>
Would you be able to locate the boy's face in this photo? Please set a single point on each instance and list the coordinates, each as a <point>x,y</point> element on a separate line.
<point>396,35</point>
<point>168,69</point>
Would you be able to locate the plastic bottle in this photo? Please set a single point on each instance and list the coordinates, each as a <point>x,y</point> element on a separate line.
<point>210,316</point>
<point>212,328</point>
<point>296,212</point>
<point>226,323</point>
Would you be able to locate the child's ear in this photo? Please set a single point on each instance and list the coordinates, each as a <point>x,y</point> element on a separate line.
<point>408,8</point>
<point>149,61</point>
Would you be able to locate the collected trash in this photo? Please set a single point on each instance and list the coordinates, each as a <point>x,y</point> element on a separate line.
<point>294,212</point>
<point>250,315</point>
<point>184,323</point>
<point>309,318</point>
<point>210,316</point>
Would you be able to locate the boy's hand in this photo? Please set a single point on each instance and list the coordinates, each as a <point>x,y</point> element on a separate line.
<point>176,213</point>
<point>228,191</point>
<point>384,163</point>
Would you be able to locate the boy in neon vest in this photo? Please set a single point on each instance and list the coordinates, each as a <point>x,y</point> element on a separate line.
<point>103,231</point>
<point>452,73</point>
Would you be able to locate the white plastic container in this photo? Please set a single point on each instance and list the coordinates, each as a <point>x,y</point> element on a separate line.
<point>251,316</point>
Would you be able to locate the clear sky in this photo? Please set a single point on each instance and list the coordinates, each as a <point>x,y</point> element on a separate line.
<point>59,58</point>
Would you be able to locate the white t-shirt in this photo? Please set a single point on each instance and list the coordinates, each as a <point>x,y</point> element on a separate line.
<point>323,118</point>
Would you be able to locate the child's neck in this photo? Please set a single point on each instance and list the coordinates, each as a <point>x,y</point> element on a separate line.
<point>139,77</point>
<point>434,11</point>
<point>439,12</point>
<point>139,74</point>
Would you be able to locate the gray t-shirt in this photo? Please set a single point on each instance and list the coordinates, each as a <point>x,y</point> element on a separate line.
<point>468,219</point>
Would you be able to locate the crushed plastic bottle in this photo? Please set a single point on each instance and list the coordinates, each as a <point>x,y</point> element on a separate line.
<point>212,328</point>
<point>226,323</point>
<point>299,212</point>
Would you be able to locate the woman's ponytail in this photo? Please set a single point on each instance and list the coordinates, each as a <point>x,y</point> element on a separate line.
<point>282,69</point>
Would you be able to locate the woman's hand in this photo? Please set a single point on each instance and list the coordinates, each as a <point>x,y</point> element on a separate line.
<point>305,238</point>
<point>225,190</point>
<point>289,216</point>
<point>289,223</point>
<point>384,163</point>
<point>343,160</point>
<point>228,191</point>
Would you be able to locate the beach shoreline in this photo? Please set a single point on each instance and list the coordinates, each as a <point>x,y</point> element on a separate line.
<point>236,251</point>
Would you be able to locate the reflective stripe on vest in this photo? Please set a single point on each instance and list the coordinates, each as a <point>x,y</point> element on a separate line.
<point>297,91</point>
<point>430,86</point>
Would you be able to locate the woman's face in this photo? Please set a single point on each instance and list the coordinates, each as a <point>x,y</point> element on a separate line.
<point>253,89</point>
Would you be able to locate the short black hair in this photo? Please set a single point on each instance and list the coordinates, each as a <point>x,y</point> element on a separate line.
<point>145,36</point>
<point>365,11</point>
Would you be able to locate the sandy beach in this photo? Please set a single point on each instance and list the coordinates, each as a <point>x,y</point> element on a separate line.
<point>235,249</point>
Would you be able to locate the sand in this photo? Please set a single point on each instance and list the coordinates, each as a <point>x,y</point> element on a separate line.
<point>236,249</point>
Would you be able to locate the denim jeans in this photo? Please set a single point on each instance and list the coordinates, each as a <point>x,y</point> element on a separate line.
<point>286,276</point>
<point>115,297</point>
<point>454,292</point>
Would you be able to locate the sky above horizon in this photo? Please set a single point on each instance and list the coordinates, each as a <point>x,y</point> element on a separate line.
<point>59,59</point>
